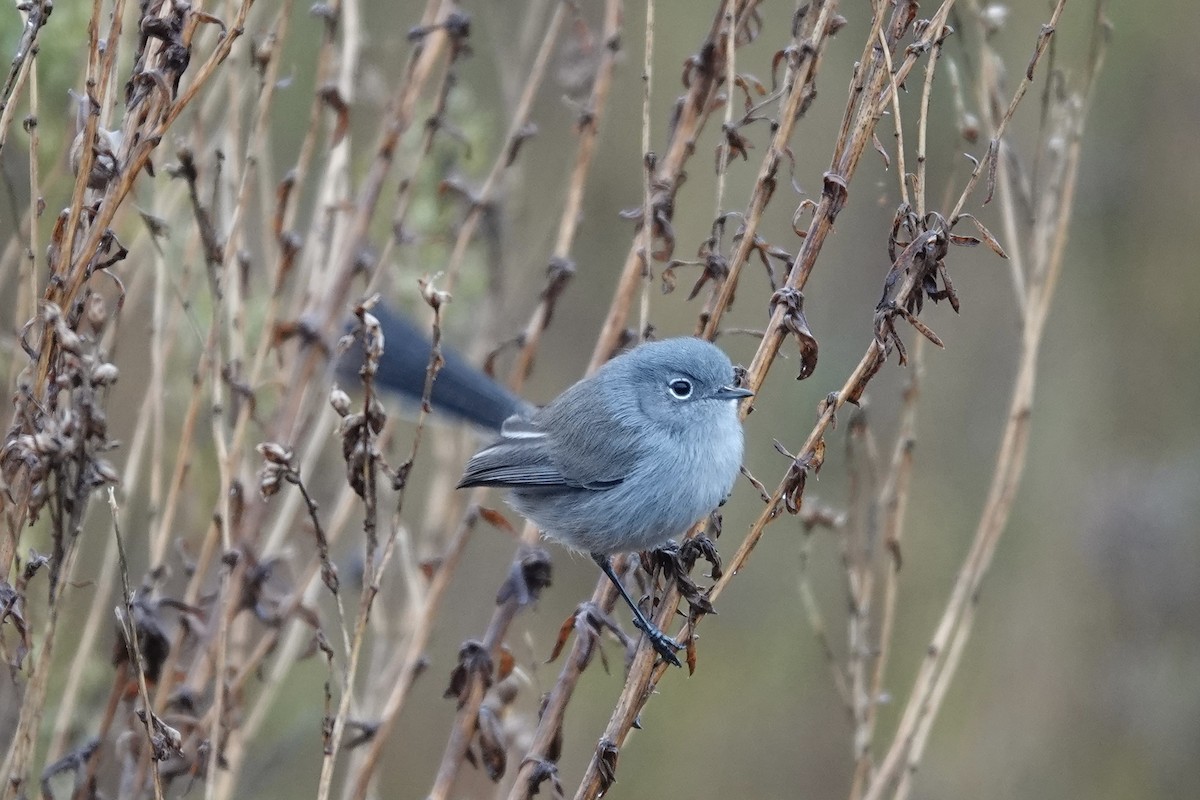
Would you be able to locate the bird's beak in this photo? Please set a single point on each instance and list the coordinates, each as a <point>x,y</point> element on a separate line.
<point>733,393</point>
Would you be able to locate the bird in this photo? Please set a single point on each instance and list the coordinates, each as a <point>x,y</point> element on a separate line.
<point>626,458</point>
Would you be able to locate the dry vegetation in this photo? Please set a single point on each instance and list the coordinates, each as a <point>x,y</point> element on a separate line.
<point>247,278</point>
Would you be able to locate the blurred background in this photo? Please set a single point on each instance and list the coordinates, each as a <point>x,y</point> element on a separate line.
<point>1080,679</point>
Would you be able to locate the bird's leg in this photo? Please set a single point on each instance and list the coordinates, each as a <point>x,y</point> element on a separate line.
<point>664,645</point>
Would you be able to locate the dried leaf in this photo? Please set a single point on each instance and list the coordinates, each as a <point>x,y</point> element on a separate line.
<point>474,663</point>
<point>988,238</point>
<point>606,762</point>
<point>564,633</point>
<point>497,520</point>
<point>528,575</point>
<point>491,743</point>
<point>887,160</point>
<point>796,324</point>
<point>507,663</point>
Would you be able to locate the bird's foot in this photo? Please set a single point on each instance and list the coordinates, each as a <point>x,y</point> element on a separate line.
<point>664,645</point>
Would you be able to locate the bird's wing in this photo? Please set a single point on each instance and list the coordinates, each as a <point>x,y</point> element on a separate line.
<point>525,457</point>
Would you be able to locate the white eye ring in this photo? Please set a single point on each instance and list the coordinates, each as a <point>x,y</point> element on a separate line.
<point>681,388</point>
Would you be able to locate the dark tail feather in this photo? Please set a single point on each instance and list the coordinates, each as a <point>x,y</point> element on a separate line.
<point>460,389</point>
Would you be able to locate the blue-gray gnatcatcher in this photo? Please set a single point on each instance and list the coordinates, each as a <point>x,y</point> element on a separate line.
<point>628,457</point>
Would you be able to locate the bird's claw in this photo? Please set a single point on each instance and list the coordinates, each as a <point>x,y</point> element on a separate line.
<point>664,645</point>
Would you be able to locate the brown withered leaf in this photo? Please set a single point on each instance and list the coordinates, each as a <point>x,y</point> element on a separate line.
<point>818,456</point>
<point>763,494</point>
<point>878,145</point>
<point>527,576</point>
<point>491,743</point>
<point>507,663</point>
<point>795,323</point>
<point>606,762</point>
<point>474,663</point>
<point>988,238</point>
<point>11,612</point>
<point>702,547</point>
<point>921,327</point>
<point>716,269</point>
<point>544,770</point>
<point>993,159</point>
<point>735,145</point>
<point>153,641</point>
<point>806,206</point>
<point>588,621</point>
<point>793,493</point>
<point>668,274</point>
<point>34,563</point>
<point>670,561</point>
<point>797,476</point>
<point>564,633</point>
<point>497,520</point>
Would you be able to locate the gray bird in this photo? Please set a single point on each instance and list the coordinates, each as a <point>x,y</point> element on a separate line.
<point>628,457</point>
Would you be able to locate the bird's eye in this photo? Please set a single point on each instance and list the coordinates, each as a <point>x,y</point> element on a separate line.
<point>681,388</point>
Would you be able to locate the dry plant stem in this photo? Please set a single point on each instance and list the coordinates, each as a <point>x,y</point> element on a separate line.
<point>568,227</point>
<point>308,146</point>
<point>308,587</point>
<point>305,594</point>
<point>17,761</point>
<point>135,160</point>
<point>858,561</point>
<point>331,189</point>
<point>370,588</point>
<point>1011,459</point>
<point>816,621</point>
<point>647,170</point>
<point>352,235</point>
<point>131,640</point>
<point>945,649</point>
<point>893,502</point>
<point>99,71</point>
<point>898,120</point>
<point>35,191</point>
<point>481,202</point>
<point>694,109</point>
<point>35,19</point>
<point>568,222</point>
<point>103,587</point>
<point>1048,30</point>
<point>589,128</point>
<point>604,596</point>
<point>921,707</point>
<point>893,498</point>
<point>798,88</point>
<point>70,276</point>
<point>413,652</point>
<point>730,84</point>
<point>464,723</point>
